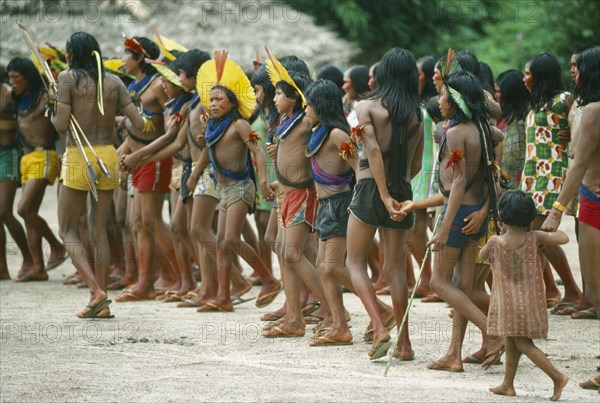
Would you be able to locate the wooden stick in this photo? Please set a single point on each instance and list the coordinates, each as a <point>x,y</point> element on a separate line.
<point>410,301</point>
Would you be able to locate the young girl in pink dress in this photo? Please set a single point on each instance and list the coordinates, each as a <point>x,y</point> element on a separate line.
<point>518,302</point>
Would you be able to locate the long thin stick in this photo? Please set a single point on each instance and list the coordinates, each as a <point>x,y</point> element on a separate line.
<point>410,301</point>
<point>76,135</point>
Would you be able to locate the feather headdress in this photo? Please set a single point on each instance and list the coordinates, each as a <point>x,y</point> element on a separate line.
<point>115,66</point>
<point>167,45</point>
<point>226,73</point>
<point>133,45</point>
<point>278,73</point>
<point>165,71</point>
<point>450,66</point>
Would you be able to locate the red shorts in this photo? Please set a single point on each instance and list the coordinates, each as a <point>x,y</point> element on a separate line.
<point>589,207</point>
<point>298,206</point>
<point>154,176</point>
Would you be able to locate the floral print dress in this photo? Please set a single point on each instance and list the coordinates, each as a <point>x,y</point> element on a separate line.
<point>546,159</point>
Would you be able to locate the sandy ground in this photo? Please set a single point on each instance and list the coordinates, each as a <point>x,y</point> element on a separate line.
<point>154,351</point>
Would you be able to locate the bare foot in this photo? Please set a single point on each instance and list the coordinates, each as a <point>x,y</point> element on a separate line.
<point>57,257</point>
<point>237,290</point>
<point>503,390</point>
<point>32,272</point>
<point>446,364</point>
<point>423,292</point>
<point>559,385</point>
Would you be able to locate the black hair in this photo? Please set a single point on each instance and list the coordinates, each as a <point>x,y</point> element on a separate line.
<point>486,76</point>
<point>433,109</point>
<point>514,96</point>
<point>151,48</point>
<point>83,62</point>
<point>468,62</point>
<point>471,91</point>
<point>27,69</point>
<point>547,79</point>
<point>301,80</point>
<point>588,64</point>
<point>232,98</point>
<point>3,74</point>
<point>325,98</point>
<point>191,61</point>
<point>397,86</point>
<point>359,77</point>
<point>516,208</point>
<point>580,49</point>
<point>427,66</point>
<point>293,63</point>
<point>332,73</point>
<point>261,77</point>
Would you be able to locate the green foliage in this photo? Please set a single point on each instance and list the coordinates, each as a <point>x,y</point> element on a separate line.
<point>505,34</point>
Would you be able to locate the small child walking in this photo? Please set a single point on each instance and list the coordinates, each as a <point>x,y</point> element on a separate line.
<point>518,304</point>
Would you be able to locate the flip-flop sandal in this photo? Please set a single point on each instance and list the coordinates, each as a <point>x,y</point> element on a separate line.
<point>310,307</point>
<point>240,300</point>
<point>380,350</point>
<point>57,262</point>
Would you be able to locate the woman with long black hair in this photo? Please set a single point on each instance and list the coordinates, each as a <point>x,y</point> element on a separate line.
<point>390,130</point>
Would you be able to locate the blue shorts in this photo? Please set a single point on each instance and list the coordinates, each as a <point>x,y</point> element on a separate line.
<point>456,238</point>
<point>332,216</point>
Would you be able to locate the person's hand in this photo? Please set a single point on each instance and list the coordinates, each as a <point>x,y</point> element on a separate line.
<point>130,162</point>
<point>552,222</point>
<point>439,239</point>
<point>393,207</point>
<point>474,222</point>
<point>267,192</point>
<point>407,206</point>
<point>564,135</point>
<point>123,176</point>
<point>271,150</point>
<point>192,182</point>
<point>274,186</point>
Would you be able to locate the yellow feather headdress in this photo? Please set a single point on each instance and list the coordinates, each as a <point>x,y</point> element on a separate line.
<point>278,73</point>
<point>167,45</point>
<point>165,71</point>
<point>115,66</point>
<point>226,73</point>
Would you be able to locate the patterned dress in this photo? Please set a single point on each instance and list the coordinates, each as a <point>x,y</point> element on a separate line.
<point>513,153</point>
<point>546,161</point>
<point>518,300</point>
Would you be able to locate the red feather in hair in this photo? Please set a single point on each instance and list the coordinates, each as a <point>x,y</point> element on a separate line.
<point>449,59</point>
<point>220,57</point>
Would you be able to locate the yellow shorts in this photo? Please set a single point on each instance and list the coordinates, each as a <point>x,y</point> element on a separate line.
<point>75,175</point>
<point>39,164</point>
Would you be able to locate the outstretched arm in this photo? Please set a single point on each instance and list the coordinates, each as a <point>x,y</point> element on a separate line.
<point>589,141</point>
<point>251,139</point>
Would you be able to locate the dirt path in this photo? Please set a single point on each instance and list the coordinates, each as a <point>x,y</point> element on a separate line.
<point>156,352</point>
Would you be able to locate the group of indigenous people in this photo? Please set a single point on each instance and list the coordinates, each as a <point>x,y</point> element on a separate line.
<point>345,174</point>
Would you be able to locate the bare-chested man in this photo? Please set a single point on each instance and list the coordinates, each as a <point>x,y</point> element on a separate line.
<point>39,165</point>
<point>150,181</point>
<point>229,143</point>
<point>78,97</point>
<point>584,175</point>
<point>466,149</point>
<point>297,202</point>
<point>9,178</point>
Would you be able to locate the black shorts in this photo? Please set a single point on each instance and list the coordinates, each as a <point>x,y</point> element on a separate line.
<point>368,208</point>
<point>332,216</point>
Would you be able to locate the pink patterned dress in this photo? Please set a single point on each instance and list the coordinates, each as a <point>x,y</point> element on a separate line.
<point>518,300</point>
